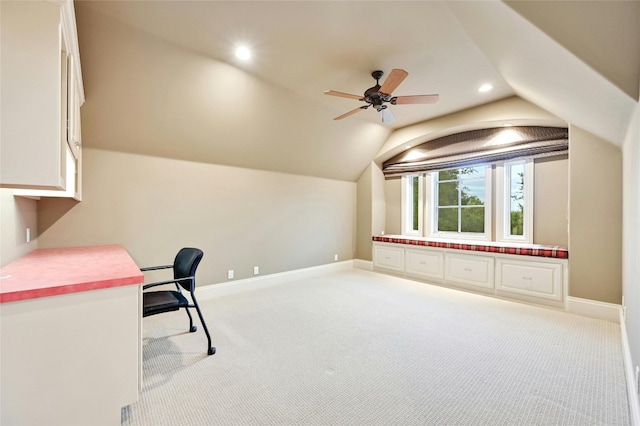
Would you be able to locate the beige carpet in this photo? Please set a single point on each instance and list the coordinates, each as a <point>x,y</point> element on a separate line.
<point>360,348</point>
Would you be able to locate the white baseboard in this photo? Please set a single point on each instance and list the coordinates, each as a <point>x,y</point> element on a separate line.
<point>632,391</point>
<point>367,265</point>
<point>263,281</point>
<point>593,308</point>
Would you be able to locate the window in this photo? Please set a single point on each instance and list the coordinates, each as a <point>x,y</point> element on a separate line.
<point>486,202</point>
<point>412,199</point>
<point>515,190</point>
<point>461,202</point>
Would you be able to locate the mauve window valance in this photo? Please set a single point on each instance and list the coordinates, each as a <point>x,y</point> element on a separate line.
<point>479,147</point>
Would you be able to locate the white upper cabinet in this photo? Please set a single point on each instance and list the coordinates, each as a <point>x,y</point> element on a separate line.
<point>42,91</point>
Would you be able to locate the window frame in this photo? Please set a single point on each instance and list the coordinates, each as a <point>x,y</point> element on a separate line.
<point>433,206</point>
<point>407,210</point>
<point>503,202</point>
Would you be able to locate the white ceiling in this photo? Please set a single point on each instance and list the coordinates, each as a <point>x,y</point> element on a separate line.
<point>449,48</point>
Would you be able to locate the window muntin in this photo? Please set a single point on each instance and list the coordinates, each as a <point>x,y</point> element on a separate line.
<point>460,202</point>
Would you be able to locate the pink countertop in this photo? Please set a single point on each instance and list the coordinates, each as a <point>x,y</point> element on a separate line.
<point>54,271</point>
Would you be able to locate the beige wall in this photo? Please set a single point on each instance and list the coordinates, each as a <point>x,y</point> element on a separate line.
<point>551,202</point>
<point>371,210</point>
<point>241,218</point>
<point>595,217</point>
<point>393,194</point>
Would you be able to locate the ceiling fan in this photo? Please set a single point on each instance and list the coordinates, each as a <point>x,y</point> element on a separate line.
<point>377,96</point>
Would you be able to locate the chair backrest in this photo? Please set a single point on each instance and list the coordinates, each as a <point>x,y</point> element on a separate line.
<point>185,265</point>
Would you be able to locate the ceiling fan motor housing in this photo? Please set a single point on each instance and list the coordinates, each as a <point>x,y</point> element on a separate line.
<point>373,95</point>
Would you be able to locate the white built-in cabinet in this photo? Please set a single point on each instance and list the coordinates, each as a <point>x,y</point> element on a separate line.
<point>533,279</point>
<point>42,92</point>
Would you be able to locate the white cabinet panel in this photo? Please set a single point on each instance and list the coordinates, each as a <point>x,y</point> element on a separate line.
<point>424,263</point>
<point>41,85</point>
<point>531,278</point>
<point>388,257</point>
<point>469,269</point>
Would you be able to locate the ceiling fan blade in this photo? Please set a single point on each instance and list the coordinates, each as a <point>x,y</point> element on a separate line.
<point>416,99</point>
<point>396,76</point>
<point>343,95</point>
<point>387,115</point>
<point>353,111</point>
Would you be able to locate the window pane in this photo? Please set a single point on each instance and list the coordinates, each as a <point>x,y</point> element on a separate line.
<point>472,219</point>
<point>415,194</point>
<point>448,219</point>
<point>516,210</point>
<point>447,175</point>
<point>472,193</point>
<point>448,194</point>
<point>471,172</point>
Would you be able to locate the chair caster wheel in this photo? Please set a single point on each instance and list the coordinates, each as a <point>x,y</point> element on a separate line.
<point>211,351</point>
<point>193,329</point>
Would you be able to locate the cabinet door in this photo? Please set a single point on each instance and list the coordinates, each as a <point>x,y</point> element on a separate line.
<point>424,263</point>
<point>531,278</point>
<point>388,257</point>
<point>475,270</point>
<point>31,79</point>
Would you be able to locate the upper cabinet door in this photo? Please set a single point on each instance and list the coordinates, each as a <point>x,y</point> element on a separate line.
<point>41,86</point>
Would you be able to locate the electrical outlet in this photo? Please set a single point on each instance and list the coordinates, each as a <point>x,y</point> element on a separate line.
<point>230,274</point>
<point>256,270</point>
<point>335,257</point>
<point>28,235</point>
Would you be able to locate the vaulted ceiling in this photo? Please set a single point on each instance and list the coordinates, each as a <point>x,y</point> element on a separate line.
<point>578,60</point>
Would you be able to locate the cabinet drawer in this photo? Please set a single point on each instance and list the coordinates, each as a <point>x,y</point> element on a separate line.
<point>388,257</point>
<point>469,269</point>
<point>424,263</point>
<point>531,278</point>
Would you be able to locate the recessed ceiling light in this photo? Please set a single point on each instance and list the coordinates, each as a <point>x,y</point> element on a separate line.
<point>485,88</point>
<point>243,53</point>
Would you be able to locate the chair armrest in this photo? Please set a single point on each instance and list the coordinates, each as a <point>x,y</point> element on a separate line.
<point>146,286</point>
<point>153,268</point>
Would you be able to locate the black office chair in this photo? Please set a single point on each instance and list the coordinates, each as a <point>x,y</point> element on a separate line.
<point>184,275</point>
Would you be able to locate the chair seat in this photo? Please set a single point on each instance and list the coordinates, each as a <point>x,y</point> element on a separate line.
<point>156,302</point>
